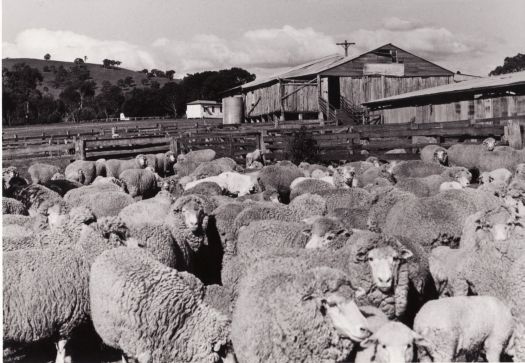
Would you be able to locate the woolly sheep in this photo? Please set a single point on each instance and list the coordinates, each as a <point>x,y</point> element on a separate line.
<point>148,211</point>
<point>465,324</point>
<point>416,169</point>
<point>450,185</point>
<point>231,182</point>
<point>266,196</point>
<point>214,167</point>
<point>515,196</point>
<point>372,174</point>
<point>162,162</point>
<point>394,342</point>
<point>519,173</point>
<point>430,185</point>
<point>302,207</point>
<point>13,206</point>
<point>468,155</point>
<point>205,188</point>
<point>383,200</point>
<point>38,199</point>
<point>198,156</point>
<point>101,202</point>
<point>355,218</point>
<point>318,170</point>
<point>434,154</point>
<point>279,178</point>
<point>114,167</point>
<point>41,173</point>
<point>82,171</point>
<point>124,275</point>
<point>109,180</point>
<point>62,186</point>
<point>100,167</point>
<point>436,220</point>
<point>304,185</point>
<point>46,290</point>
<point>139,182</point>
<point>253,157</point>
<point>516,296</point>
<point>287,312</point>
<point>9,173</point>
<point>345,198</point>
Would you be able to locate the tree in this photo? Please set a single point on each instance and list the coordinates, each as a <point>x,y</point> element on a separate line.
<point>510,65</point>
<point>144,71</point>
<point>47,56</point>
<point>170,74</point>
<point>109,100</point>
<point>106,63</point>
<point>172,98</point>
<point>78,61</point>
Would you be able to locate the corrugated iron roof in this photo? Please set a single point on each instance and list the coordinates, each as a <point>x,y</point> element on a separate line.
<point>469,86</point>
<point>203,102</point>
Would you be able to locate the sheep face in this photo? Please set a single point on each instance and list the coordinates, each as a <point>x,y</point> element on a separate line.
<point>170,156</point>
<point>9,173</point>
<point>441,157</point>
<point>347,174</point>
<point>384,263</point>
<point>324,231</point>
<point>489,143</point>
<point>193,215</point>
<point>345,316</point>
<point>499,225</point>
<point>142,161</point>
<point>374,160</point>
<point>394,342</point>
<point>56,216</point>
<point>462,176</point>
<point>520,171</point>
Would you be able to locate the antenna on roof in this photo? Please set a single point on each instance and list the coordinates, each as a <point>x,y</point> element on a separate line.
<point>346,45</point>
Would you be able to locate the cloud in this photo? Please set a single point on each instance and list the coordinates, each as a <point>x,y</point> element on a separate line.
<point>396,24</point>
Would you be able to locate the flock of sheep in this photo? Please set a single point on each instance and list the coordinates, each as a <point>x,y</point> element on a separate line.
<point>193,258</point>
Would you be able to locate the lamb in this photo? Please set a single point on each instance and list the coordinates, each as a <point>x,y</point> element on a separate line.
<point>392,343</point>
<point>13,206</point>
<point>162,162</point>
<point>139,182</point>
<point>41,173</point>
<point>279,178</point>
<point>464,324</point>
<point>197,156</point>
<point>434,154</point>
<point>287,312</point>
<point>125,276</point>
<point>82,171</point>
<point>115,167</point>
<point>436,220</point>
<point>148,211</point>
<point>302,207</point>
<point>468,155</point>
<point>231,182</point>
<point>46,290</point>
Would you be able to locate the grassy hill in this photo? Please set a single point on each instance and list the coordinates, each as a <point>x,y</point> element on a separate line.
<point>98,73</point>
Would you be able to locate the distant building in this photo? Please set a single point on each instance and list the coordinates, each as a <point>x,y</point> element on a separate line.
<point>478,98</point>
<point>204,109</point>
<point>335,87</point>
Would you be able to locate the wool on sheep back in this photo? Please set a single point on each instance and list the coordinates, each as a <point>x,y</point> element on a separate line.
<point>152,312</point>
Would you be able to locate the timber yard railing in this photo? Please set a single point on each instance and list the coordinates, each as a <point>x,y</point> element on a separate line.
<point>333,143</point>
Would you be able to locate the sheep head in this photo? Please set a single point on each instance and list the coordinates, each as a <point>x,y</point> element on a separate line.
<point>58,176</point>
<point>142,161</point>
<point>499,224</point>
<point>373,160</point>
<point>334,297</point>
<point>459,174</point>
<point>347,174</point>
<point>9,173</point>
<point>520,171</point>
<point>170,157</point>
<point>193,215</point>
<point>441,156</point>
<point>394,342</point>
<point>57,215</point>
<point>81,176</point>
<point>325,231</point>
<point>489,143</point>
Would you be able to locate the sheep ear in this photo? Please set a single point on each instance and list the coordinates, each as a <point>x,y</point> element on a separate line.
<point>307,232</point>
<point>421,341</point>
<point>406,254</point>
<point>360,292</point>
<point>368,342</point>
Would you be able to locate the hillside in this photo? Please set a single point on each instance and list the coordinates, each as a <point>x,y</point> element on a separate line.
<point>98,73</point>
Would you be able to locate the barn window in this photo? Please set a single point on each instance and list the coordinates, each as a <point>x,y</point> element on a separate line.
<point>458,107</point>
<point>471,108</point>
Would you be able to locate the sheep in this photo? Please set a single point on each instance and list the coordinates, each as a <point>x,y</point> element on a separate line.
<point>302,207</point>
<point>139,182</point>
<point>205,188</point>
<point>287,312</point>
<point>304,185</point>
<point>114,167</point>
<point>9,173</point>
<point>184,168</point>
<point>279,178</point>
<point>345,198</point>
<point>436,220</point>
<point>434,154</point>
<point>468,155</point>
<point>253,157</point>
<point>519,173</point>
<point>231,182</point>
<point>450,185</point>
<point>13,206</point>
<point>430,185</point>
<point>516,296</point>
<point>99,180</point>
<point>391,343</point>
<point>46,289</point>
<point>102,201</point>
<point>355,218</point>
<point>100,167</point>
<point>318,170</point>
<point>41,173</point>
<point>496,181</point>
<point>515,196</point>
<point>197,156</point>
<point>465,324</point>
<point>372,174</point>
<point>383,200</point>
<point>214,167</point>
<point>162,162</point>
<point>191,330</point>
<point>82,171</point>
<point>266,196</point>
<point>38,199</point>
<point>416,169</point>
<point>148,211</point>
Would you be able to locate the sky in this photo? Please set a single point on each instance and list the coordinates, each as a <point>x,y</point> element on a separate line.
<point>263,36</point>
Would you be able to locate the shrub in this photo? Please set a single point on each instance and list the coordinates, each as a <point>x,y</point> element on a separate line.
<point>302,147</point>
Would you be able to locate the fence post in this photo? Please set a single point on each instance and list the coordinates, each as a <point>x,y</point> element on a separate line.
<point>80,148</point>
<point>513,132</point>
<point>174,145</point>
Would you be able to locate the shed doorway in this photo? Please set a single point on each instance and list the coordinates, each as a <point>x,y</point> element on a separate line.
<point>334,92</point>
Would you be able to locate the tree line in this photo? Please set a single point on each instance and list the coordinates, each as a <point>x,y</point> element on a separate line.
<point>82,98</point>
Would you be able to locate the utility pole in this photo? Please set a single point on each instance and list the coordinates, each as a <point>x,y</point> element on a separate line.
<point>346,45</point>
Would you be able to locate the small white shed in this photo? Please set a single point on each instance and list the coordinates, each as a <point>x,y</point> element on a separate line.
<point>204,109</point>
